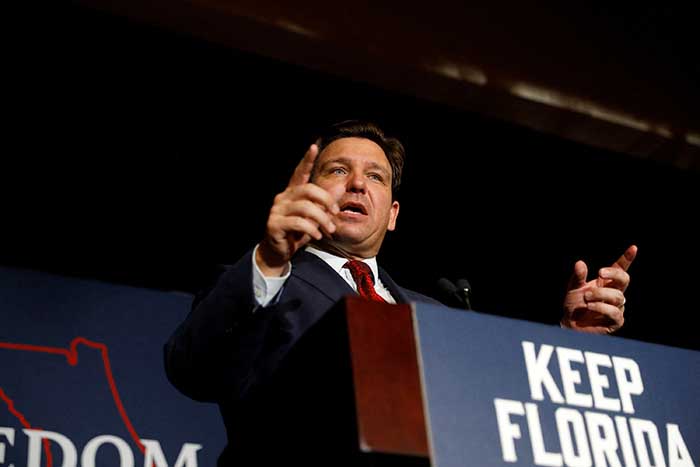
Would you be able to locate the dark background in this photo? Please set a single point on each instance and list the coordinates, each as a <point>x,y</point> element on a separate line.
<point>140,156</point>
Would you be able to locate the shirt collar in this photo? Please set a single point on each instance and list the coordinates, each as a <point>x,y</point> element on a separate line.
<point>337,262</point>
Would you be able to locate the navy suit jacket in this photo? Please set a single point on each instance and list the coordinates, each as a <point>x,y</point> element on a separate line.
<point>228,350</point>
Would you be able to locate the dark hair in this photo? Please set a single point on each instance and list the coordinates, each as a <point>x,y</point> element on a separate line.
<point>392,147</point>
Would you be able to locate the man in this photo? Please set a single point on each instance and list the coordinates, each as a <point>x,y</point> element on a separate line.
<point>321,231</point>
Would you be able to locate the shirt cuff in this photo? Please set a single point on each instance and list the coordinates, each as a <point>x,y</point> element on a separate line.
<point>265,288</point>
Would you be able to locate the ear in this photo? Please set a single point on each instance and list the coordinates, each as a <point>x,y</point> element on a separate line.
<point>393,214</point>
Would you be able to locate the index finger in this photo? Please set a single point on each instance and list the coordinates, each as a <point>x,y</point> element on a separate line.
<point>624,261</point>
<point>302,173</point>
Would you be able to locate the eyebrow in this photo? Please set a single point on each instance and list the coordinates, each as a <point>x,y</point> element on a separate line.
<point>347,162</point>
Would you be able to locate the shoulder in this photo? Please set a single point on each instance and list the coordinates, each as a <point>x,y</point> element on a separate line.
<point>419,297</point>
<point>402,294</point>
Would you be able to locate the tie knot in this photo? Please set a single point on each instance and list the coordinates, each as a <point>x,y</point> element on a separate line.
<point>362,274</point>
<point>360,270</point>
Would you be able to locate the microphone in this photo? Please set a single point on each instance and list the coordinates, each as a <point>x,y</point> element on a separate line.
<point>465,291</point>
<point>458,296</point>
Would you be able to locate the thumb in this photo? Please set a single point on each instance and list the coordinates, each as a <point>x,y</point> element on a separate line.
<point>578,278</point>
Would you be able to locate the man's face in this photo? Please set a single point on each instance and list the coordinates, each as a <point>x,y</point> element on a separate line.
<point>356,172</point>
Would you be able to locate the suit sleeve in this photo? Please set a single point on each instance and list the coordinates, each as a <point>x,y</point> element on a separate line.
<point>215,353</point>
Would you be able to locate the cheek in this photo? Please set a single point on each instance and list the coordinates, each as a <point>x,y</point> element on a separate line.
<point>383,206</point>
<point>335,189</point>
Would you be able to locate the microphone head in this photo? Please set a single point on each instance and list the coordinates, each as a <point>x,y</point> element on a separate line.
<point>463,284</point>
<point>453,296</point>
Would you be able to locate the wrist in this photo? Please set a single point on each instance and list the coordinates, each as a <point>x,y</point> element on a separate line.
<point>269,263</point>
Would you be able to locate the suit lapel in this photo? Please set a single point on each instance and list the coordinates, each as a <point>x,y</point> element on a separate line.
<point>315,272</point>
<point>395,290</point>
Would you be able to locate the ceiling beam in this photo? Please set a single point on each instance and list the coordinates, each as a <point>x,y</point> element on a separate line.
<point>579,74</point>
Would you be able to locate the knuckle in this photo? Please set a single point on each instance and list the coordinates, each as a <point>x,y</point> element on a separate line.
<point>307,204</point>
<point>298,224</point>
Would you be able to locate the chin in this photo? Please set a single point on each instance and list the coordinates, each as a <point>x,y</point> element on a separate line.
<point>351,232</point>
<point>353,239</point>
<point>346,238</point>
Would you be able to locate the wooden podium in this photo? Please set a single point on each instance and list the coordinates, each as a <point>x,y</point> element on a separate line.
<point>386,378</point>
<point>349,392</point>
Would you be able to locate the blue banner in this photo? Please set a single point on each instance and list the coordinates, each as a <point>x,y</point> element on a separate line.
<point>503,392</point>
<point>82,379</point>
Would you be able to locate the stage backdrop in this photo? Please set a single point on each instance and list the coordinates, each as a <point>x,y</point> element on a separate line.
<point>82,379</point>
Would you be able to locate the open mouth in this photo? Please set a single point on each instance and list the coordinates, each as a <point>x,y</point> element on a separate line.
<point>352,207</point>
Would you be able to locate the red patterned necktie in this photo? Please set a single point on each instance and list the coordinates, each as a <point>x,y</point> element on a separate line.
<point>362,274</point>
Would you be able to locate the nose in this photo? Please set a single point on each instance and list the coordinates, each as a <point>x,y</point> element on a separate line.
<point>356,183</point>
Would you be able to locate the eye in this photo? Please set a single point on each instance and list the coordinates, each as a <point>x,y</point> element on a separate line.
<point>375,177</point>
<point>337,171</point>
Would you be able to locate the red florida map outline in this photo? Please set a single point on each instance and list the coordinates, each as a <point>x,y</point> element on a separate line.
<point>71,355</point>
